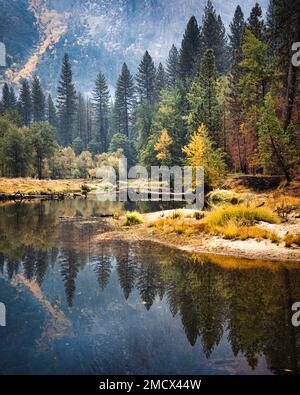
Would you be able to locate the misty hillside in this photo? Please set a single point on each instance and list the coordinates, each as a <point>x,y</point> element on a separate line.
<point>98,35</point>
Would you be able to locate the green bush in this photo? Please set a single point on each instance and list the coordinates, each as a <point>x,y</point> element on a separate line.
<point>132,218</point>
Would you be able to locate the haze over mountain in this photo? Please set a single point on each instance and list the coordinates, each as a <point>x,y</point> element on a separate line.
<point>97,34</point>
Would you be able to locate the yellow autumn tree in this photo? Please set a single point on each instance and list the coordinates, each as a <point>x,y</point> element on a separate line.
<point>201,152</point>
<point>163,147</point>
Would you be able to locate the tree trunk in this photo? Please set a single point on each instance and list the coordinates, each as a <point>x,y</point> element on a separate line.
<point>281,161</point>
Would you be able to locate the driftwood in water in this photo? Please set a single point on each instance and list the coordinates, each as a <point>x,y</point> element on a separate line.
<point>43,196</point>
<point>84,219</point>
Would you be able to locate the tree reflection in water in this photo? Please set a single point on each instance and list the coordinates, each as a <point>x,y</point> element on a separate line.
<point>249,305</point>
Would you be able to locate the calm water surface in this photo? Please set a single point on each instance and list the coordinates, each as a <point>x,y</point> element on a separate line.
<point>76,305</point>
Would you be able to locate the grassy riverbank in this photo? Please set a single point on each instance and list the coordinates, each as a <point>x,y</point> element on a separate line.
<point>31,186</point>
<point>243,224</point>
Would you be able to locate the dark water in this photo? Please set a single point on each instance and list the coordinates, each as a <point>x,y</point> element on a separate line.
<point>80,305</point>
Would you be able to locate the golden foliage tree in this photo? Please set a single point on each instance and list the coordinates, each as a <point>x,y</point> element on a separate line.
<point>163,147</point>
<point>200,152</point>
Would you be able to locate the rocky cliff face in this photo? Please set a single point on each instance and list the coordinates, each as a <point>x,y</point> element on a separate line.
<point>97,34</point>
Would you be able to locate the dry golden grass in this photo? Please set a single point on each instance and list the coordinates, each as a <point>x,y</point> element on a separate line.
<point>232,223</point>
<point>179,226</point>
<point>30,186</point>
<point>232,231</point>
<point>291,239</point>
<point>241,215</point>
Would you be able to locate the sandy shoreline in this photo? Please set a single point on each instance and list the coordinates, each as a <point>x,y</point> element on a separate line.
<point>205,244</point>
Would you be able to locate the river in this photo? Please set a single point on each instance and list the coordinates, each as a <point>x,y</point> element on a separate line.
<point>76,306</point>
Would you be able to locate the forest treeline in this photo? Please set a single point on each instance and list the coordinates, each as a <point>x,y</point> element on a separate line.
<point>229,102</point>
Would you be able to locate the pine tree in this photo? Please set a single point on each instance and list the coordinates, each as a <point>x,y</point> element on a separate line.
<point>214,37</point>
<point>25,103</point>
<point>160,81</point>
<point>171,115</point>
<point>13,98</point>
<point>145,112</point>
<point>6,102</point>
<point>89,111</point>
<point>101,99</point>
<point>190,51</point>
<point>66,103</point>
<point>51,114</point>
<point>258,70</point>
<point>145,79</point>
<point>286,31</point>
<point>237,148</point>
<point>237,28</point>
<point>274,145</point>
<point>124,102</point>
<point>38,100</point>
<point>81,119</point>
<point>255,22</point>
<point>172,65</point>
<point>203,98</point>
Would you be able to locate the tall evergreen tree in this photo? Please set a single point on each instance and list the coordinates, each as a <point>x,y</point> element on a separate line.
<point>258,69</point>
<point>214,37</point>
<point>101,99</point>
<point>89,112</point>
<point>274,146</point>
<point>25,103</point>
<point>38,100</point>
<point>6,102</point>
<point>124,102</point>
<point>237,150</point>
<point>203,98</point>
<point>51,114</point>
<point>190,51</point>
<point>13,98</point>
<point>286,31</point>
<point>81,120</point>
<point>66,100</point>
<point>255,22</point>
<point>160,80</point>
<point>172,64</point>
<point>237,28</point>
<point>145,79</point>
